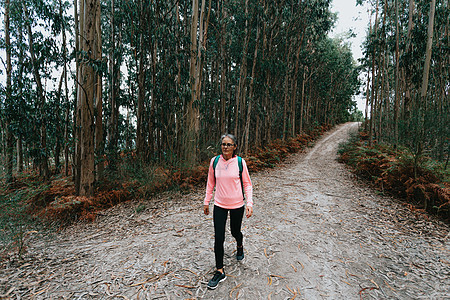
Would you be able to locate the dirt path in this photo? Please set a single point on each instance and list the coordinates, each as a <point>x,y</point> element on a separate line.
<point>316,233</point>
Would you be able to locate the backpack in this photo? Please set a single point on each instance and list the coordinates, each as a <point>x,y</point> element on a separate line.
<point>216,160</point>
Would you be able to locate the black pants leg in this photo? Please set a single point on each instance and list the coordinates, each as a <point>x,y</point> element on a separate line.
<point>235,224</point>
<point>220,221</point>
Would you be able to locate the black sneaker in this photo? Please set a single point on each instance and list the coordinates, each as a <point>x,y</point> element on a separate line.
<point>218,277</point>
<point>240,253</point>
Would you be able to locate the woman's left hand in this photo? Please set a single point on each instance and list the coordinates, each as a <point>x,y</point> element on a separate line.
<point>248,211</point>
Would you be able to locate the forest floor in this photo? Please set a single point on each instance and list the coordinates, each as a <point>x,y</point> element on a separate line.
<point>317,233</point>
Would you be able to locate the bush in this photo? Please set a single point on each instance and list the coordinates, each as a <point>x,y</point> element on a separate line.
<point>421,181</point>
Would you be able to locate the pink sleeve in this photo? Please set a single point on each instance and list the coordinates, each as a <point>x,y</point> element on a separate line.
<point>211,182</point>
<point>248,187</point>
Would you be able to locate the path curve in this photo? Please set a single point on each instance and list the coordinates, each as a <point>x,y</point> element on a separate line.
<point>317,233</point>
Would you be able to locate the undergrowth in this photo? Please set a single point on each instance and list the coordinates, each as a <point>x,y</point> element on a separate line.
<point>17,224</point>
<point>422,182</point>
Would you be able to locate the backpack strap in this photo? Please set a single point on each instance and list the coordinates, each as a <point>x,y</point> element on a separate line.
<point>240,174</point>
<point>216,160</point>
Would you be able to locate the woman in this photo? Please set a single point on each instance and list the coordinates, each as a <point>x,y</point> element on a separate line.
<point>229,197</point>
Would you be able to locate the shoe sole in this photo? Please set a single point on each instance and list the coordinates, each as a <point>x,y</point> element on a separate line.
<point>214,287</point>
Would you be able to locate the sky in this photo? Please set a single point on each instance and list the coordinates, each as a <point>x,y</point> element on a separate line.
<point>355,18</point>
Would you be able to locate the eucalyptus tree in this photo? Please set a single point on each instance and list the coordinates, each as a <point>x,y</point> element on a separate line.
<point>43,159</point>
<point>8,98</point>
<point>89,91</point>
<point>33,53</point>
<point>405,55</point>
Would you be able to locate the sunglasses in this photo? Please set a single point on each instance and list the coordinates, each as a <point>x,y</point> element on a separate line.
<point>227,145</point>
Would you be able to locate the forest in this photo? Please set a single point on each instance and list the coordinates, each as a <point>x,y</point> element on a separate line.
<point>102,94</point>
<point>406,133</point>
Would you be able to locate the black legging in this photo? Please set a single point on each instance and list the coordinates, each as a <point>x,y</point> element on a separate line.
<point>220,220</point>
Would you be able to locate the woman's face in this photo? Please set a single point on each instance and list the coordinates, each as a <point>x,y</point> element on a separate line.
<point>228,147</point>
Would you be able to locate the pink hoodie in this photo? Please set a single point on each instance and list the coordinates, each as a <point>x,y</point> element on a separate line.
<point>228,193</point>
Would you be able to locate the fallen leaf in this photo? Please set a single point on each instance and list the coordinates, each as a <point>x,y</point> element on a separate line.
<point>346,282</point>
<point>185,286</point>
<point>293,267</point>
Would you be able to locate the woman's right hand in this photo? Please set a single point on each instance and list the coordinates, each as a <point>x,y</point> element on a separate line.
<point>206,209</point>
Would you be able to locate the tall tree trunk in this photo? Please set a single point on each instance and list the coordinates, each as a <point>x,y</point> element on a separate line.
<point>250,94</point>
<point>88,20</point>
<point>407,101</point>
<point>19,155</point>
<point>242,73</point>
<point>366,115</point>
<point>8,100</point>
<point>192,106</point>
<point>372,91</point>
<point>302,100</point>
<point>66,119</point>
<point>66,124</point>
<point>99,142</point>
<point>58,125</point>
<point>193,112</point>
<point>223,76</point>
<point>151,121</point>
<point>178,113</point>
<point>422,105</point>
<point>140,140</point>
<point>113,87</point>
<point>286,88</point>
<point>294,92</point>
<point>397,74</point>
<point>382,74</point>
<point>20,84</point>
<point>43,163</point>
<point>426,69</point>
<point>77,104</point>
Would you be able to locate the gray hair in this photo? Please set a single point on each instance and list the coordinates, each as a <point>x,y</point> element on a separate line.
<point>232,137</point>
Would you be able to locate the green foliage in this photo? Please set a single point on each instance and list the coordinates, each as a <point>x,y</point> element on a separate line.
<point>142,180</point>
<point>16,221</point>
<point>140,208</point>
<point>420,180</point>
<point>356,116</point>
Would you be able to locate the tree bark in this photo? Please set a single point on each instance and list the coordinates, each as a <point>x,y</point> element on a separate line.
<point>99,142</point>
<point>250,94</point>
<point>302,100</point>
<point>113,94</point>
<point>397,75</point>
<point>426,69</point>
<point>422,105</point>
<point>286,88</point>
<point>88,20</point>
<point>77,105</point>
<point>242,73</point>
<point>151,113</point>
<point>20,84</point>
<point>223,76</point>
<point>193,112</point>
<point>372,91</point>
<point>58,125</point>
<point>140,140</point>
<point>8,98</point>
<point>66,119</point>
<point>192,108</point>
